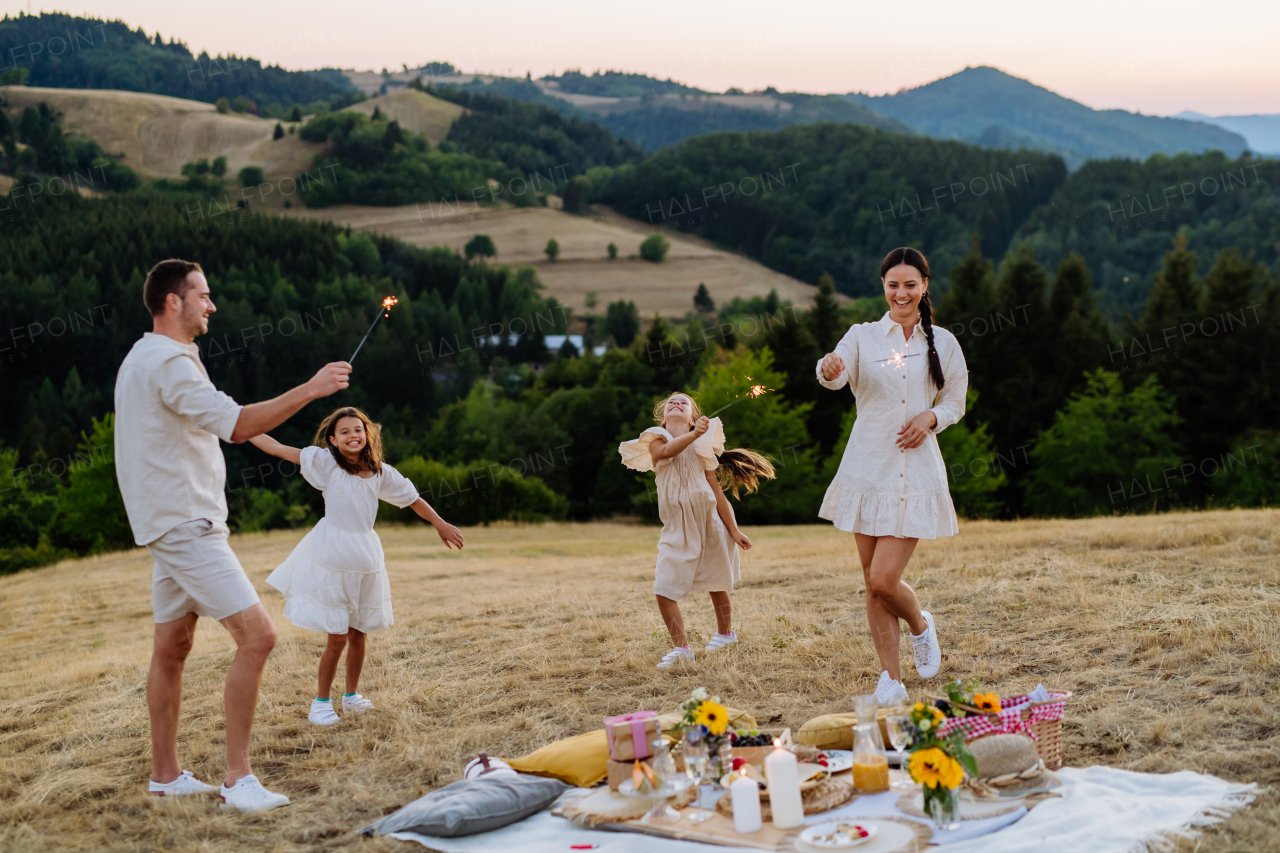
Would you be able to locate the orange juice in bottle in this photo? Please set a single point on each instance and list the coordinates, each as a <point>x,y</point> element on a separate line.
<point>870,767</point>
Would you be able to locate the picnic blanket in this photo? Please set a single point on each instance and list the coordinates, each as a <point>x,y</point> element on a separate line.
<point>1102,810</point>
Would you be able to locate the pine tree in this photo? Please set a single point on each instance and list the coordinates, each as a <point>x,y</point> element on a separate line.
<point>824,319</point>
<point>702,300</point>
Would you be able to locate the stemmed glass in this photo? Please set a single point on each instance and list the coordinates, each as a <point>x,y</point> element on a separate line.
<point>898,725</point>
<point>696,759</point>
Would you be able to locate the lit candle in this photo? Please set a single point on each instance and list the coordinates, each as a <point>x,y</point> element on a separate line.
<point>746,804</point>
<point>784,787</point>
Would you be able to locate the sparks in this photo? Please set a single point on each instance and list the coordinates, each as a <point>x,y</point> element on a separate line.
<point>751,392</point>
<point>385,312</point>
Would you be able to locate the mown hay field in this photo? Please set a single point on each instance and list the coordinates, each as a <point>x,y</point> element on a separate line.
<point>1166,628</point>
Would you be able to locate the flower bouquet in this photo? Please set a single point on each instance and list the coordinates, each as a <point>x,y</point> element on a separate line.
<point>938,763</point>
<point>705,713</point>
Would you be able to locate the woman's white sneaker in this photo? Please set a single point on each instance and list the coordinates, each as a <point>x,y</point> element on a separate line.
<point>322,713</point>
<point>927,652</point>
<point>356,704</point>
<point>248,795</point>
<point>184,786</point>
<point>890,693</point>
<point>680,653</point>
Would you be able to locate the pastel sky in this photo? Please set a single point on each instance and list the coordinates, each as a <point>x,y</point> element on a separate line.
<point>1160,58</point>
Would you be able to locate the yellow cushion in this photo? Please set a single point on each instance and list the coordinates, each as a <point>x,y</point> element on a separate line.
<point>835,731</point>
<point>581,760</point>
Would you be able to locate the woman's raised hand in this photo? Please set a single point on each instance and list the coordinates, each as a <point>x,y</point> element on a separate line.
<point>701,426</point>
<point>832,366</point>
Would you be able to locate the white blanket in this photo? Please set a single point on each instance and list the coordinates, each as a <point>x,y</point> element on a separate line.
<point>1105,810</point>
<point>1101,810</point>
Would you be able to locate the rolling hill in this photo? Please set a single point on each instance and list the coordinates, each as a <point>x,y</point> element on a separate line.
<point>157,134</point>
<point>988,107</point>
<point>1261,132</point>
<point>415,111</point>
<point>521,234</point>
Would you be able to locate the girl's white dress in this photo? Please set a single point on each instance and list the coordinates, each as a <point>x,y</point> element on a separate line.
<point>882,490</point>
<point>336,578</point>
<point>695,553</point>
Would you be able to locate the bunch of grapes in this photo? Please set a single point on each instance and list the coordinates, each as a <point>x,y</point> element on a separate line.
<point>751,738</point>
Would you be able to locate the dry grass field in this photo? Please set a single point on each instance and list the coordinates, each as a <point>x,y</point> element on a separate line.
<point>521,234</point>
<point>1166,628</point>
<point>158,134</point>
<point>415,111</point>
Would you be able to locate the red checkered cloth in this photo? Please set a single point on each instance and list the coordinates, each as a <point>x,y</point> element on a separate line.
<point>1008,721</point>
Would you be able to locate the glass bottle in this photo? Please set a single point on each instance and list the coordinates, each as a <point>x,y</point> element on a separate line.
<point>870,766</point>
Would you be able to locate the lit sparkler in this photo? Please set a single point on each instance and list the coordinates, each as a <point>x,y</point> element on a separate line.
<point>385,312</point>
<point>753,391</point>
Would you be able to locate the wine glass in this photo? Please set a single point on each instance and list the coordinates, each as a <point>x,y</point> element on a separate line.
<point>898,726</point>
<point>696,758</point>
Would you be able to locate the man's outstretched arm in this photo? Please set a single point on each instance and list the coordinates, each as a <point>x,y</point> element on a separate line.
<point>257,418</point>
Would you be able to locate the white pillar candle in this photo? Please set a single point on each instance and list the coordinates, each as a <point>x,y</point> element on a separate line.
<point>746,804</point>
<point>784,787</point>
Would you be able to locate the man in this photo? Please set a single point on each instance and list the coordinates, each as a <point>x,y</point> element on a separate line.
<point>169,418</point>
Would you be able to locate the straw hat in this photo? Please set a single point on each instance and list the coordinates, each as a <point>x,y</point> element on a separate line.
<point>1008,764</point>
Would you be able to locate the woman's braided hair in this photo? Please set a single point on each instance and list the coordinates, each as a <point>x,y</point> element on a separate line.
<point>914,258</point>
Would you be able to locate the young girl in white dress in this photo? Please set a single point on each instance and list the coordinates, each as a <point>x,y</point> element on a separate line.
<point>335,581</point>
<point>696,551</point>
<point>910,379</point>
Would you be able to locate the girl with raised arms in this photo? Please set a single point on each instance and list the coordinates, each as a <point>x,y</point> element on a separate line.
<point>335,581</point>
<point>697,551</point>
<point>910,379</point>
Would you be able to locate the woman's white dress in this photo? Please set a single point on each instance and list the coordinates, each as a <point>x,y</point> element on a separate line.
<point>695,552</point>
<point>336,577</point>
<point>882,490</point>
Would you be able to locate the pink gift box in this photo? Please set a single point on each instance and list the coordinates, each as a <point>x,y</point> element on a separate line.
<point>630,735</point>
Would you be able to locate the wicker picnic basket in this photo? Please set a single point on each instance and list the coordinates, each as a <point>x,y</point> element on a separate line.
<point>1041,720</point>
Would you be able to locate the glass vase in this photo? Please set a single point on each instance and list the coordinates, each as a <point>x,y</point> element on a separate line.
<point>942,805</point>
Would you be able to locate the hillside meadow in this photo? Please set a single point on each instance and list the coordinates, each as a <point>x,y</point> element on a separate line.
<point>1165,627</point>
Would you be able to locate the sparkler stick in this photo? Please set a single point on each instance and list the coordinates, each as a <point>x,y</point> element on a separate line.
<point>753,391</point>
<point>386,311</point>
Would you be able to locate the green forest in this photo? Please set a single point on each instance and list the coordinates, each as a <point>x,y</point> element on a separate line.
<point>67,52</point>
<point>1069,414</point>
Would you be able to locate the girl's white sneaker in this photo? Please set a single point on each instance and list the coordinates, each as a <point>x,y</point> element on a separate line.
<point>356,704</point>
<point>719,641</point>
<point>676,654</point>
<point>184,786</point>
<point>322,713</point>
<point>248,795</point>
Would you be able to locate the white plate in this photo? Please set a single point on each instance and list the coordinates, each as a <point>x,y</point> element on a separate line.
<point>809,835</point>
<point>839,760</point>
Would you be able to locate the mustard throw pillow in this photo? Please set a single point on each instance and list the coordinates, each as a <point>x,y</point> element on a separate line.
<point>580,760</point>
<point>835,731</point>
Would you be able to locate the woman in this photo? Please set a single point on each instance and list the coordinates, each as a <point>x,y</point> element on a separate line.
<point>909,379</point>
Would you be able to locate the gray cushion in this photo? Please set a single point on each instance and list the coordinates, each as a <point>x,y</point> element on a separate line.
<point>472,805</point>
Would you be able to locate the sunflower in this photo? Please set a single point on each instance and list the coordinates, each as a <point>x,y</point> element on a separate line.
<point>933,767</point>
<point>712,715</point>
<point>987,702</point>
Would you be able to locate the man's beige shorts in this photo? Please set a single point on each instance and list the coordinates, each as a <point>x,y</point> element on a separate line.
<point>197,572</point>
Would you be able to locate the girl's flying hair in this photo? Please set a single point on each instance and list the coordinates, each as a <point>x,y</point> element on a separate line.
<point>370,455</point>
<point>740,468</point>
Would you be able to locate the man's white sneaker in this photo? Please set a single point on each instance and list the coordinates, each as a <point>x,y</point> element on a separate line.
<point>248,795</point>
<point>928,654</point>
<point>356,704</point>
<point>322,713</point>
<point>719,641</point>
<point>184,786</point>
<point>890,693</point>
<point>676,654</point>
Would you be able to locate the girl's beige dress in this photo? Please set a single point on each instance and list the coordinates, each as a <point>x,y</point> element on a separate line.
<point>695,553</point>
<point>881,489</point>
